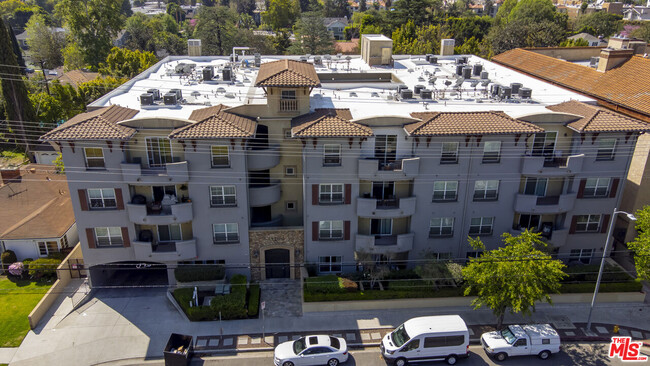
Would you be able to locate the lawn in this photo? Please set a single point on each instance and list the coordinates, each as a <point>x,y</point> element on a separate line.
<point>17,299</point>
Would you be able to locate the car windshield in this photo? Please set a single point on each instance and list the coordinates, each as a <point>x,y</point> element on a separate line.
<point>299,345</point>
<point>508,336</point>
<point>400,336</point>
<point>334,342</point>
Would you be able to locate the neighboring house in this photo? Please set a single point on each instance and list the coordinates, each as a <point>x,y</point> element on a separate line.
<point>641,13</point>
<point>336,26</point>
<point>350,47</point>
<point>44,153</point>
<point>22,40</point>
<point>76,77</point>
<point>310,167</point>
<point>592,40</point>
<point>36,216</point>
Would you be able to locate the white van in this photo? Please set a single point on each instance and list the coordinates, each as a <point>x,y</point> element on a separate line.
<point>427,338</point>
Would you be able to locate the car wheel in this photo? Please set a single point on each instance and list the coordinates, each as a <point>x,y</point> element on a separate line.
<point>501,356</point>
<point>333,362</point>
<point>451,360</point>
<point>288,363</point>
<point>544,355</point>
<point>401,362</point>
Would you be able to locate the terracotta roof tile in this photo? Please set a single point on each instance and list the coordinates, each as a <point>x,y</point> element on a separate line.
<point>287,73</point>
<point>100,124</point>
<point>216,122</point>
<point>627,85</point>
<point>467,123</point>
<point>327,122</point>
<point>598,119</point>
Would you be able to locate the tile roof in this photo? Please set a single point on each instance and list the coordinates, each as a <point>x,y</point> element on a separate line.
<point>287,73</point>
<point>627,85</point>
<point>35,205</point>
<point>598,119</point>
<point>467,123</point>
<point>76,77</point>
<point>216,122</point>
<point>100,124</point>
<point>326,122</point>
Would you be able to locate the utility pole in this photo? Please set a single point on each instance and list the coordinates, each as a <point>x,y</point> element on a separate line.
<point>47,87</point>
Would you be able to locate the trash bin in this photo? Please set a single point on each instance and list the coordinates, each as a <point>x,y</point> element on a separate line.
<point>178,350</point>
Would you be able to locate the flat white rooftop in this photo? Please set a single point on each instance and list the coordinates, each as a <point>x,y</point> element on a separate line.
<point>347,82</point>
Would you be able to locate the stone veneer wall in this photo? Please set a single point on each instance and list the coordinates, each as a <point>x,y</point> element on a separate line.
<point>261,239</point>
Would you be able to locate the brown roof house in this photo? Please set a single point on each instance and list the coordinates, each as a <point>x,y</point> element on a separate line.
<point>36,218</point>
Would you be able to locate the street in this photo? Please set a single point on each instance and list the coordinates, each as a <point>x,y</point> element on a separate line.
<point>592,354</point>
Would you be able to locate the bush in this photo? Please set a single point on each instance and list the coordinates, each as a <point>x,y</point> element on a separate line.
<point>8,257</point>
<point>383,295</point>
<point>253,300</point>
<point>409,285</point>
<point>312,269</point>
<point>575,288</point>
<point>43,267</point>
<point>199,273</point>
<point>16,269</point>
<point>589,273</point>
<point>348,285</point>
<point>231,306</point>
<point>57,255</point>
<point>402,274</point>
<point>26,263</point>
<point>323,284</point>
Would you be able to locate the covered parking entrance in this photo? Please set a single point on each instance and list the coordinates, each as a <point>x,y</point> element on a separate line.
<point>128,274</point>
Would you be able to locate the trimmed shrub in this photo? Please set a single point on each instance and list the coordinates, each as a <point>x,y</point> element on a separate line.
<point>323,284</point>
<point>233,305</point>
<point>253,300</point>
<point>589,273</point>
<point>409,285</point>
<point>43,267</point>
<point>575,288</point>
<point>383,295</point>
<point>193,273</point>
<point>8,257</point>
<point>16,269</point>
<point>402,274</point>
<point>57,255</point>
<point>26,263</point>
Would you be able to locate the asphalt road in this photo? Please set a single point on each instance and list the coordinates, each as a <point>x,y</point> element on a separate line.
<point>591,354</point>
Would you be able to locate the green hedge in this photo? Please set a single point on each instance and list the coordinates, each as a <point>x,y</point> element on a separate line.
<point>191,273</point>
<point>253,300</point>
<point>324,284</point>
<point>43,267</point>
<point>589,272</point>
<point>383,295</point>
<point>572,288</point>
<point>409,285</point>
<point>231,306</point>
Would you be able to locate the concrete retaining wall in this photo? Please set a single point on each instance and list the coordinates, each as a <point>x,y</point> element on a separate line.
<point>314,307</point>
<point>64,276</point>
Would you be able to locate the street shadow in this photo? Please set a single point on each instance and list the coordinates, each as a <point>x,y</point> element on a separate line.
<point>594,354</point>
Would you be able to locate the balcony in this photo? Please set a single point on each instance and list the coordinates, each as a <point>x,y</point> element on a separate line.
<point>264,195</point>
<point>275,222</point>
<point>262,159</point>
<point>557,237</point>
<point>552,166</point>
<point>160,215</point>
<point>376,170</point>
<point>545,205</point>
<point>288,105</point>
<point>384,244</point>
<point>165,251</point>
<point>392,208</point>
<point>134,173</point>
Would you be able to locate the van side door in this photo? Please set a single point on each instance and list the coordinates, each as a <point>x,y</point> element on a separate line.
<point>411,350</point>
<point>521,347</point>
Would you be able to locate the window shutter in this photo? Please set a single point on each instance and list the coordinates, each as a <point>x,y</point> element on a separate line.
<point>90,234</point>
<point>119,199</point>
<point>574,223</point>
<point>346,230</point>
<point>125,237</point>
<point>348,194</point>
<point>314,194</point>
<point>613,188</point>
<point>603,226</point>
<point>314,231</point>
<point>581,188</point>
<point>83,199</point>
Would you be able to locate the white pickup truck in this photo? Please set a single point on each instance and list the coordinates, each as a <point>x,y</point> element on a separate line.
<point>521,340</point>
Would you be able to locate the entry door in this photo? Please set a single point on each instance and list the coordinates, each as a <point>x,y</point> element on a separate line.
<point>381,227</point>
<point>159,151</point>
<point>277,263</point>
<point>383,190</point>
<point>386,147</point>
<point>544,144</point>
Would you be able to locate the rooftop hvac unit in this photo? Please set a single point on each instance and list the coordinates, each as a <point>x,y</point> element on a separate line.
<point>170,99</point>
<point>515,87</point>
<point>459,70</point>
<point>179,93</point>
<point>406,94</point>
<point>476,69</point>
<point>258,60</point>
<point>418,88</point>
<point>318,60</point>
<point>525,93</point>
<point>505,92</point>
<point>401,87</point>
<point>467,72</point>
<point>593,62</point>
<point>234,58</point>
<point>433,60</point>
<point>303,58</point>
<point>208,73</point>
<point>494,89</point>
<point>484,74</point>
<point>146,99</point>
<point>155,93</point>
<point>227,73</point>
<point>461,60</point>
<point>427,57</point>
<point>426,94</point>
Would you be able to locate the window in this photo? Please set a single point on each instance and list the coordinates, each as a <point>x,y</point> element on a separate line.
<point>491,151</point>
<point>536,186</point>
<point>225,233</point>
<point>290,171</point>
<point>449,153</point>
<point>329,264</point>
<point>441,226</point>
<point>581,255</point>
<point>159,151</point>
<point>521,342</point>
<point>287,133</point>
<point>220,156</point>
<point>446,190</point>
<point>411,346</point>
<point>386,148</point>
<point>108,236</point>
<point>481,226</point>
<point>330,229</point>
<point>290,205</point>
<point>546,341</point>
<point>170,232</point>
<point>288,101</point>
<point>469,255</point>
<point>486,190</point>
<point>587,223</point>
<point>47,247</point>
<point>544,144</point>
<point>330,193</point>
<point>102,198</point>
<point>288,94</point>
<point>441,256</point>
<point>606,149</point>
<point>444,341</point>
<point>531,222</point>
<point>381,227</point>
<point>596,187</point>
<point>331,154</point>
<point>64,242</point>
<point>94,157</point>
<point>223,196</point>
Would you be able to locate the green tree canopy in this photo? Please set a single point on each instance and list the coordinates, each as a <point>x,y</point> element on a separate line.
<point>513,277</point>
<point>578,42</point>
<point>281,14</point>
<point>411,40</point>
<point>600,23</point>
<point>216,30</point>
<point>44,43</point>
<point>641,244</point>
<point>122,62</point>
<point>643,32</point>
<point>312,37</point>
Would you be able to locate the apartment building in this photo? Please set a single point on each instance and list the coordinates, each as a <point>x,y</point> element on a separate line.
<point>268,163</point>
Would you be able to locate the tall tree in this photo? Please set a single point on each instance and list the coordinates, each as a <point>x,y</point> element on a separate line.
<point>216,30</point>
<point>602,23</point>
<point>336,8</point>
<point>641,244</point>
<point>45,44</point>
<point>17,51</point>
<point>19,111</point>
<point>281,14</point>
<point>312,37</point>
<point>124,63</point>
<point>513,277</point>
